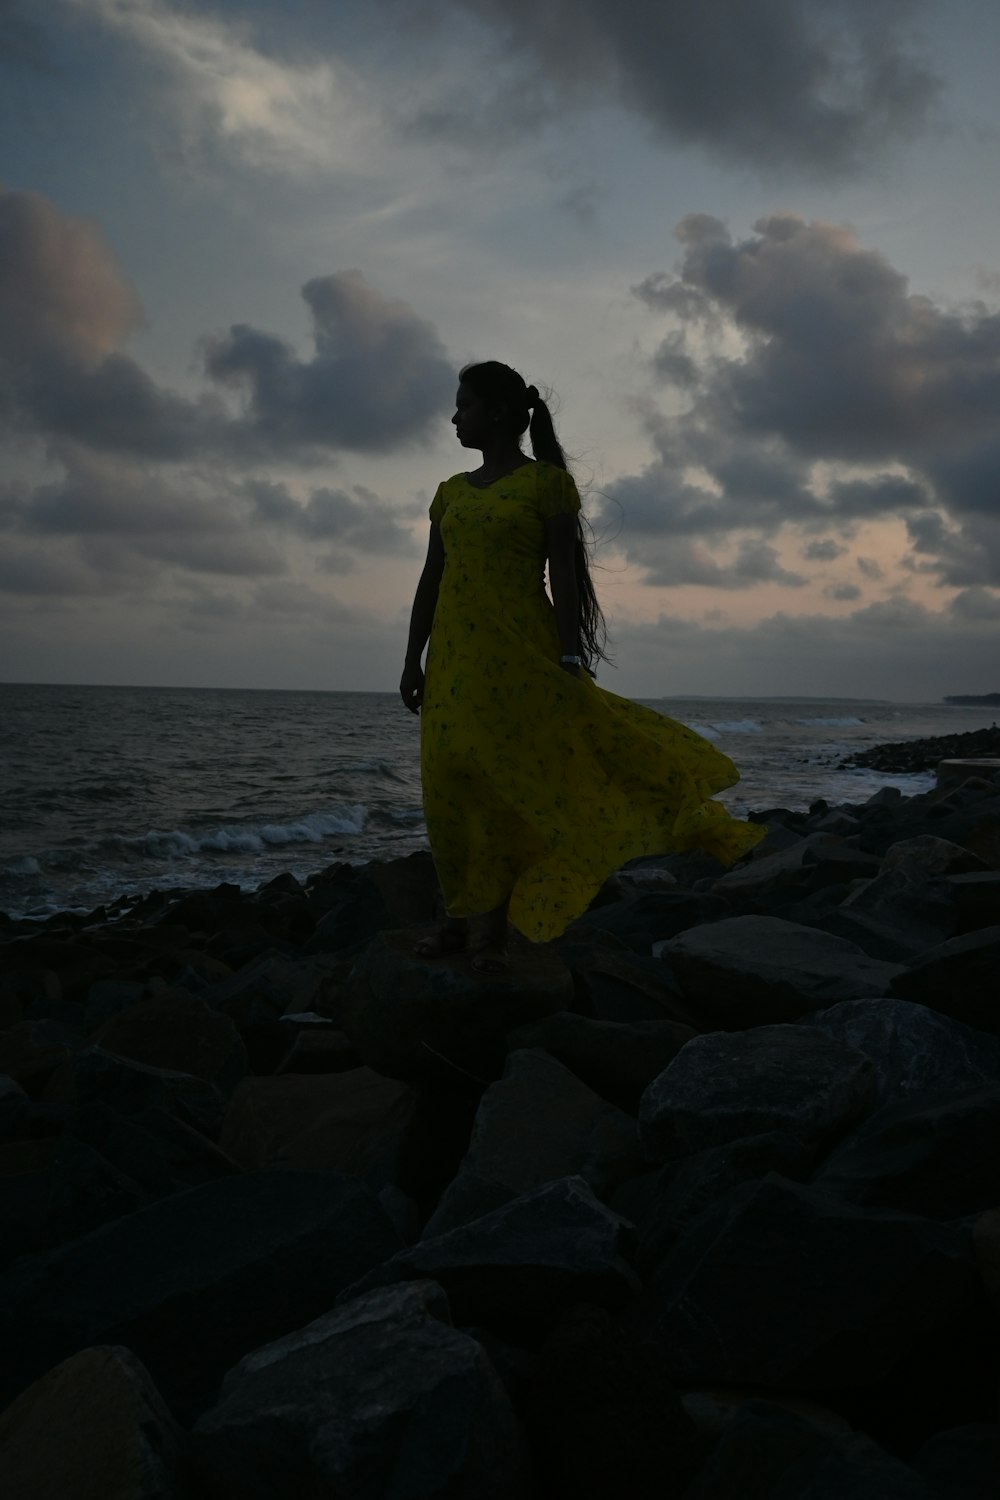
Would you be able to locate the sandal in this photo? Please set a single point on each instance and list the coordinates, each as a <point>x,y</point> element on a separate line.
<point>449,938</point>
<point>491,957</point>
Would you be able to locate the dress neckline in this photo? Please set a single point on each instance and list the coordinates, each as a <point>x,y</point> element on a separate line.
<point>510,472</point>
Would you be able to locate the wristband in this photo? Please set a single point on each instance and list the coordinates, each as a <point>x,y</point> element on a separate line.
<point>574,661</point>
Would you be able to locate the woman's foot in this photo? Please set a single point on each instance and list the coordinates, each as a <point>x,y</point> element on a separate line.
<point>490,958</point>
<point>450,937</point>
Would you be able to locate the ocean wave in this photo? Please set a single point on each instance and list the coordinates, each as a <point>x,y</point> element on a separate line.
<point>24,865</point>
<point>376,767</point>
<point>738,726</point>
<point>245,838</point>
<point>845,723</point>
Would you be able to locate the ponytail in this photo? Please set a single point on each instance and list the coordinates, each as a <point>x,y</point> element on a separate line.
<point>498,383</point>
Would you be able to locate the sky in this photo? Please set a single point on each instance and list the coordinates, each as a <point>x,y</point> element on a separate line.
<point>752,251</point>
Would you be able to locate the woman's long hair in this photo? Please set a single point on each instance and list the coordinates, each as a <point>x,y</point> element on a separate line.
<point>499,385</point>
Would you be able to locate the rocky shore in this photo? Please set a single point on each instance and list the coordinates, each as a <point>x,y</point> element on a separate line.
<point>700,1202</point>
<point>925,755</point>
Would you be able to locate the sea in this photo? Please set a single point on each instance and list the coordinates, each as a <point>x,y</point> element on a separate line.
<point>111,792</point>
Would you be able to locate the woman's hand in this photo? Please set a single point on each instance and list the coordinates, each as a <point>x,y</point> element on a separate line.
<point>411,686</point>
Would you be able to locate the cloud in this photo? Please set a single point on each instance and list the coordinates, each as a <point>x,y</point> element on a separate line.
<point>358,519</point>
<point>683,562</point>
<point>823,551</point>
<point>379,377</point>
<point>842,591</point>
<point>815,84</point>
<point>222,91</point>
<point>821,394</point>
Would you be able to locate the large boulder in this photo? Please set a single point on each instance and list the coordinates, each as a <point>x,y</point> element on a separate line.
<point>192,1282</point>
<point>641,920</point>
<point>958,978</point>
<point>809,864</point>
<point>602,1418</point>
<point>727,1085</point>
<point>618,1060</point>
<point>935,1157</point>
<point>350,1122</point>
<point>97,1076</point>
<point>614,985</point>
<point>782,1285</point>
<point>519,1266</point>
<point>177,1031</point>
<point>754,970</point>
<point>94,1428</point>
<point>442,1020</point>
<point>381,1397</point>
<point>914,1050</point>
<point>536,1124</point>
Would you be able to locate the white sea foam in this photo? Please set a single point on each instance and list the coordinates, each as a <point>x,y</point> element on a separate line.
<point>738,726</point>
<point>707,731</point>
<point>249,838</point>
<point>25,865</point>
<point>844,723</point>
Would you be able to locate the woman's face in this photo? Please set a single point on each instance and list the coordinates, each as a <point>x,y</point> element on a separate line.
<point>473,422</point>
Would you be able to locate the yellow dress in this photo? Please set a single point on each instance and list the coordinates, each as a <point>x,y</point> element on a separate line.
<point>538,784</point>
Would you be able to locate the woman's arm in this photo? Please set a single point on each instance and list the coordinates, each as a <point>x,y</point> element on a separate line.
<point>411,686</point>
<point>560,539</point>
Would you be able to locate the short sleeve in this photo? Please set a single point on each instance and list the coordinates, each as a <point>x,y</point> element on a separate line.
<point>438,505</point>
<point>557,492</point>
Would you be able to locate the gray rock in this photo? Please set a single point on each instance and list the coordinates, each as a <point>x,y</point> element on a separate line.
<point>106,997</point>
<point>962,1463</point>
<point>918,912</point>
<point>441,1020</point>
<point>770,1453</point>
<point>13,1107</point>
<point>781,1285</point>
<point>617,1060</point>
<point>132,1087</point>
<point>752,970</point>
<point>639,921</point>
<point>959,978</point>
<point>521,1264</point>
<point>623,988</point>
<point>818,859</point>
<point>153,1149</point>
<point>926,856</point>
<point>193,1281</point>
<point>603,1419</point>
<point>381,1399</point>
<point>86,1191</point>
<point>94,1426</point>
<point>536,1124</point>
<point>915,1050</point>
<point>664,1203</point>
<point>934,1157</point>
<point>726,1085</point>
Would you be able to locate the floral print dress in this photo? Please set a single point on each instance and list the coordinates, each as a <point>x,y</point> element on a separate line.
<point>538,784</point>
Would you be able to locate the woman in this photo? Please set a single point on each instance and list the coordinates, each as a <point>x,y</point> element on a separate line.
<point>537,783</point>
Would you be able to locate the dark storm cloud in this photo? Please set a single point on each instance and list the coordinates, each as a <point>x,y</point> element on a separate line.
<point>358,519</point>
<point>685,563</point>
<point>379,376</point>
<point>378,379</point>
<point>817,84</point>
<point>838,364</point>
<point>823,551</point>
<point>22,41</point>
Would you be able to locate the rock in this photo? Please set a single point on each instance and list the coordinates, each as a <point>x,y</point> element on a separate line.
<point>641,920</point>
<point>95,1426</point>
<point>727,1085</point>
<point>380,1397</point>
<point>519,1266</point>
<point>927,1156</point>
<point>412,1018</point>
<point>153,1149</point>
<point>620,986</point>
<point>257,997</point>
<point>602,1418</point>
<point>986,1243</point>
<point>962,1463</point>
<point>319,1049</point>
<point>617,1060</point>
<point>106,997</point>
<point>13,1108</point>
<point>914,1050</point>
<point>176,1031</point>
<point>662,1204</point>
<point>31,1051</point>
<point>817,860</point>
<point>752,970</point>
<point>916,912</point>
<point>537,1124</point>
<point>131,1087</point>
<point>194,1281</point>
<point>351,1122</point>
<point>56,968</point>
<point>926,857</point>
<point>959,979</point>
<point>975,900</point>
<point>827,1296</point>
<point>771,1453</point>
<point>86,1191</point>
